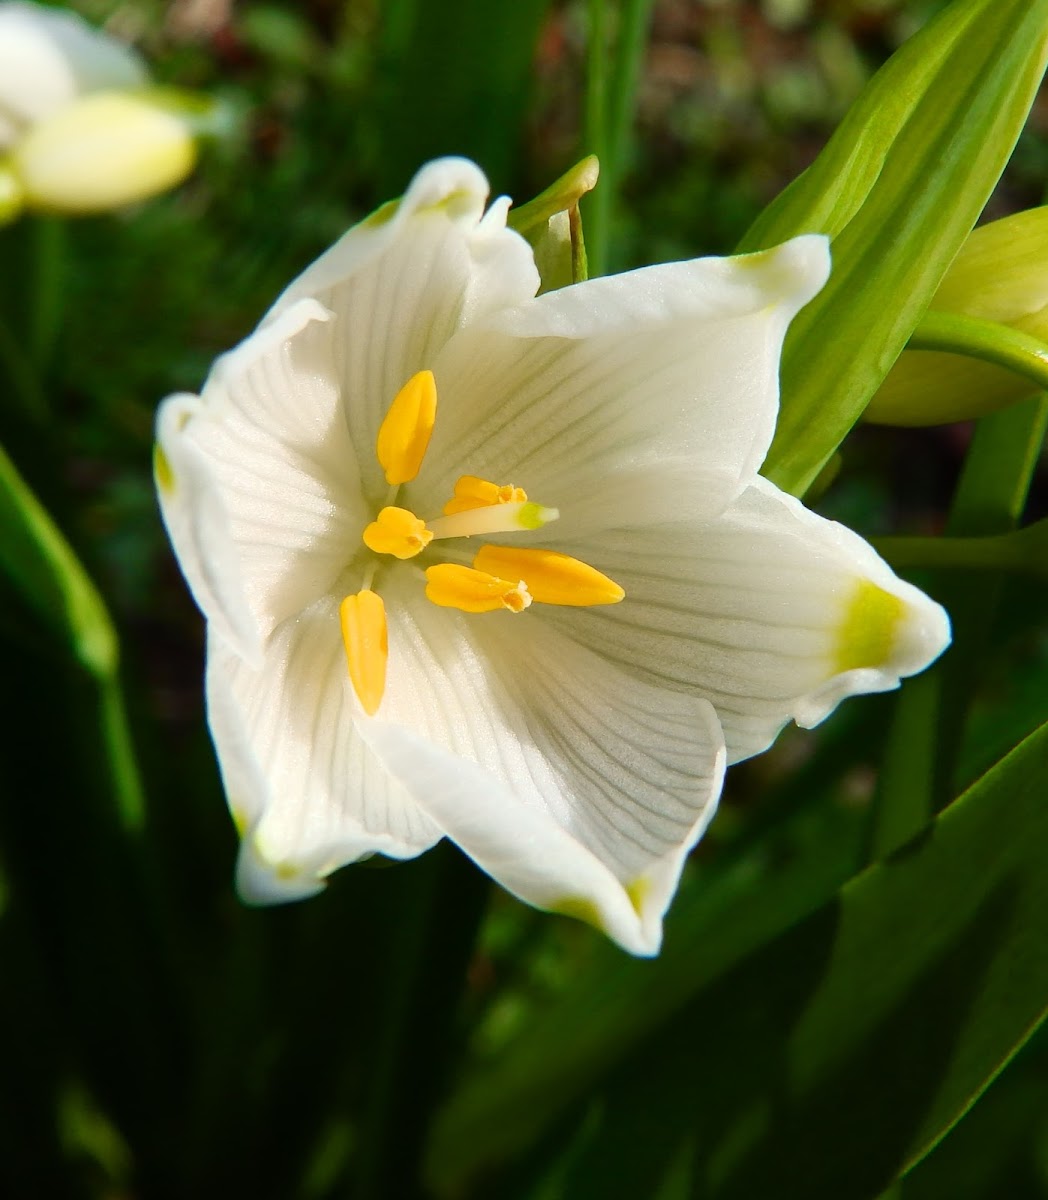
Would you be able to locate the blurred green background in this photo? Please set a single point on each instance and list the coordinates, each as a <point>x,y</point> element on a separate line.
<point>156,1038</point>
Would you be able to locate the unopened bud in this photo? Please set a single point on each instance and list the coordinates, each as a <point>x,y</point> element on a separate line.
<point>1000,274</point>
<point>552,224</point>
<point>107,150</point>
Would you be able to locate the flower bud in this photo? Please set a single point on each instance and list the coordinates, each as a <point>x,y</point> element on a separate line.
<point>1000,274</point>
<point>551,223</point>
<point>50,57</point>
<point>109,149</point>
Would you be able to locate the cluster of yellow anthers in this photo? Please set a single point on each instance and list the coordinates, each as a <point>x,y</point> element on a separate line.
<point>502,577</point>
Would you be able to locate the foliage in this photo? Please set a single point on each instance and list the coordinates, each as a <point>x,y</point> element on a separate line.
<point>858,951</point>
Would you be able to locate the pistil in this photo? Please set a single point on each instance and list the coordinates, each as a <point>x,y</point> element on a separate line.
<point>493,518</point>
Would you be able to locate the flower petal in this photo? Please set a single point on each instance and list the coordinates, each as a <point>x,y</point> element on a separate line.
<point>574,785</point>
<point>561,394</point>
<point>402,282</point>
<point>304,790</point>
<point>48,57</point>
<point>259,486</point>
<point>769,611</point>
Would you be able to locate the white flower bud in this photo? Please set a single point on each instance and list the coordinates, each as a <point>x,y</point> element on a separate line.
<point>48,58</point>
<point>107,150</point>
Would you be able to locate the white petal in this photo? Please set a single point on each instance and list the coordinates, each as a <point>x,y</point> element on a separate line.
<point>754,611</point>
<point>264,505</point>
<point>404,281</point>
<point>522,848</point>
<point>678,361</point>
<point>198,525</point>
<point>303,788</point>
<point>49,56</point>
<point>571,782</point>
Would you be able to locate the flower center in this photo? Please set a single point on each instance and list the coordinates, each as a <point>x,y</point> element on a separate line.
<point>501,578</point>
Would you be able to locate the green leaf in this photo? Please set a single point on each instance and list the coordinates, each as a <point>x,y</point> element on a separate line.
<point>897,188</point>
<point>41,565</point>
<point>835,1057</point>
<point>456,78</point>
<point>987,1155</point>
<point>717,918</point>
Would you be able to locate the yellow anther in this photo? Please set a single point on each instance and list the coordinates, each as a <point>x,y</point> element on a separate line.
<point>471,492</point>
<point>472,591</point>
<point>398,532</point>
<point>363,618</point>
<point>404,434</point>
<point>552,578</point>
<point>868,634</point>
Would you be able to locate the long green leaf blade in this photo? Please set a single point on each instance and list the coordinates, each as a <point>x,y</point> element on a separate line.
<point>836,1056</point>
<point>897,188</point>
<point>43,568</point>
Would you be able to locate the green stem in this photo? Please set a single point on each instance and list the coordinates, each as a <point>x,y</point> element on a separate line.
<point>25,383</point>
<point>1022,552</point>
<point>919,765</point>
<point>598,203</point>
<point>414,1043</point>
<point>906,781</point>
<point>988,340</point>
<point>629,58</point>
<point>48,292</point>
<point>120,754</point>
<point>610,96</point>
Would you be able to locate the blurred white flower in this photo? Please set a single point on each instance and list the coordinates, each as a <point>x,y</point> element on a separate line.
<point>106,151</point>
<point>559,699</point>
<point>82,131</point>
<point>50,57</point>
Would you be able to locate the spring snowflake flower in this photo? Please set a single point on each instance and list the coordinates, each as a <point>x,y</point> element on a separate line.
<point>501,569</point>
<point>80,130</point>
<point>50,57</point>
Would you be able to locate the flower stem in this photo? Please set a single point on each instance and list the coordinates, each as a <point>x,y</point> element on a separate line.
<point>918,771</point>
<point>414,1043</point>
<point>120,754</point>
<point>25,385</point>
<point>49,287</point>
<point>610,95</point>
<point>987,340</point>
<point>1024,551</point>
<point>598,204</point>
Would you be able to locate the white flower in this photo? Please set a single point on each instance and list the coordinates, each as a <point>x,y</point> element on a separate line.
<point>80,130</point>
<point>105,151</point>
<point>573,741</point>
<point>50,57</point>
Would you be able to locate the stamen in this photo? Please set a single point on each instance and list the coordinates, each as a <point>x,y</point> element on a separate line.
<point>398,532</point>
<point>493,518</point>
<point>471,492</point>
<point>363,618</point>
<point>552,578</point>
<point>453,586</point>
<point>403,436</point>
